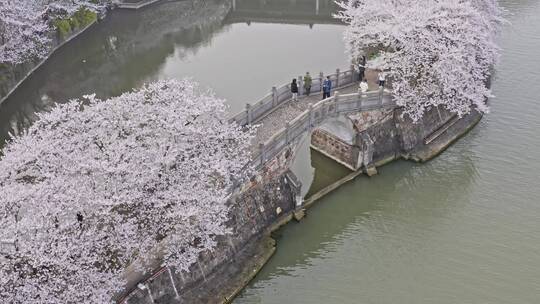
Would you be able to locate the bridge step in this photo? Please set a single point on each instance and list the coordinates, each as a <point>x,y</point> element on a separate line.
<point>443,128</point>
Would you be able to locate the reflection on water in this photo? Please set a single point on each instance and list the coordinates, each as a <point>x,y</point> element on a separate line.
<point>367,199</point>
<point>326,172</point>
<point>200,39</point>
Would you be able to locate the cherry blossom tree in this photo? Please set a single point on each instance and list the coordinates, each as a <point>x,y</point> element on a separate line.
<point>94,186</point>
<point>437,52</point>
<point>26,25</point>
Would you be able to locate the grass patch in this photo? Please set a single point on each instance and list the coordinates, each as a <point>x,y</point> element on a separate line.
<point>80,19</point>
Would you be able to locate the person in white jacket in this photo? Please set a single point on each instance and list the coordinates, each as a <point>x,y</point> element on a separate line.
<point>364,86</point>
<point>382,79</point>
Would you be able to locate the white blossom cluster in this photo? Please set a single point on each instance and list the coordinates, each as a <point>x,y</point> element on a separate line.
<point>94,186</point>
<point>25,25</point>
<point>437,52</point>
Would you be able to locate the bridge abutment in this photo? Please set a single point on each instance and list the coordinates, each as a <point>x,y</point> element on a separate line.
<point>383,135</point>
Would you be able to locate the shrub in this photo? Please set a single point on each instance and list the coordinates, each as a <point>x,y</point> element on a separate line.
<point>81,18</point>
<point>63,27</point>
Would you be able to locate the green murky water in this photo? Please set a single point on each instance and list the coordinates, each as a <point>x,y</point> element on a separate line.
<point>463,228</point>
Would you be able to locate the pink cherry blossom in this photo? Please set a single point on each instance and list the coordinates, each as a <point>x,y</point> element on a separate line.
<point>437,52</point>
<point>94,186</point>
<point>26,26</point>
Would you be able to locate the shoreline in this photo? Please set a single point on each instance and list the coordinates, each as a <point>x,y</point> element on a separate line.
<point>428,153</point>
<point>41,62</point>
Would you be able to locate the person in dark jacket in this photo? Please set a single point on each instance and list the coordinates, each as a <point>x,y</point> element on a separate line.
<point>294,90</point>
<point>361,68</point>
<point>327,87</point>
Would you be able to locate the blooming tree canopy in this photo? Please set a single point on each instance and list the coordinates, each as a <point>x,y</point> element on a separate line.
<point>26,25</point>
<point>94,186</point>
<point>437,52</point>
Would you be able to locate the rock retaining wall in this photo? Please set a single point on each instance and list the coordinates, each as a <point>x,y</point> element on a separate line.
<point>265,201</point>
<point>387,135</point>
<point>333,147</point>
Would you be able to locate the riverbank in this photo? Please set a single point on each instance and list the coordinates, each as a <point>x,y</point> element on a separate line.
<point>65,30</point>
<point>15,76</point>
<point>452,131</point>
<point>271,199</point>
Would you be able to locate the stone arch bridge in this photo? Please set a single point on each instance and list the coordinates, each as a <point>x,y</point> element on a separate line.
<point>282,123</point>
<point>379,134</point>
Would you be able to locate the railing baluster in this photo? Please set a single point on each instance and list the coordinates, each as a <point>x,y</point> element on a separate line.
<point>261,149</point>
<point>248,113</point>
<point>274,97</point>
<point>336,100</point>
<point>287,130</point>
<point>310,119</point>
<point>363,99</point>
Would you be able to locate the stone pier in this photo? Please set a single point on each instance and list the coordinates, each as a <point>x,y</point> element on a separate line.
<point>381,135</point>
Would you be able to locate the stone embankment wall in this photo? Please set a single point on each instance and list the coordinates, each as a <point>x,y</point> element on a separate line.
<point>263,202</point>
<point>333,146</point>
<point>385,135</point>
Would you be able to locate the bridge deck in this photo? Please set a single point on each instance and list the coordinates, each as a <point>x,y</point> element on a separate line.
<point>277,119</point>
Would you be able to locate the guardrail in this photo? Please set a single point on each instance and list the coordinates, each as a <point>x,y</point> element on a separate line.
<point>279,95</point>
<point>315,116</point>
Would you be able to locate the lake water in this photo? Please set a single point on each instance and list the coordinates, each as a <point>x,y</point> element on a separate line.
<point>463,228</point>
<point>224,48</point>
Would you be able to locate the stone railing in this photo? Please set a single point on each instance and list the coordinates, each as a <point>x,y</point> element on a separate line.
<point>315,116</point>
<point>280,95</point>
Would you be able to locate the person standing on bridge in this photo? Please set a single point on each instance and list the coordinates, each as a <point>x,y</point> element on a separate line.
<point>307,83</point>
<point>364,86</point>
<point>294,90</point>
<point>327,87</point>
<point>361,68</point>
<point>382,79</point>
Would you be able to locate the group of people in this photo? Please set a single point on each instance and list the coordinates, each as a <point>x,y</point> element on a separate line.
<point>327,83</point>
<point>326,87</point>
<point>381,77</point>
